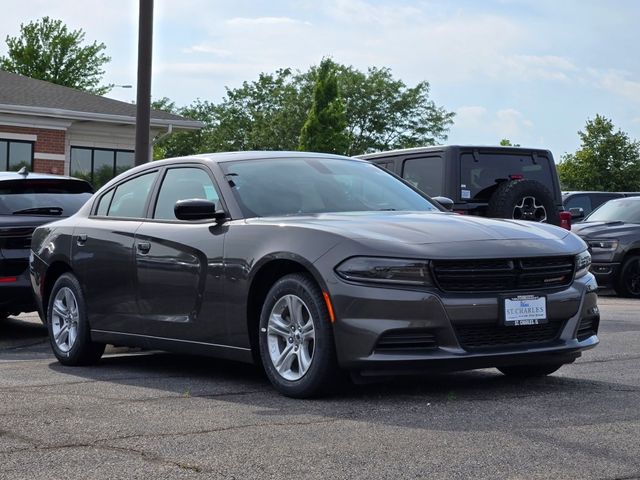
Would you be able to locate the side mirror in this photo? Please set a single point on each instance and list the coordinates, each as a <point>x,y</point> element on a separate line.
<point>576,212</point>
<point>447,203</point>
<point>197,209</point>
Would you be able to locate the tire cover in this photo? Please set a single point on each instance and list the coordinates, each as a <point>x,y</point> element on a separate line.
<point>523,200</point>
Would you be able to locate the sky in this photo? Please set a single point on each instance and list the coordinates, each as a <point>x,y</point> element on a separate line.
<point>532,71</point>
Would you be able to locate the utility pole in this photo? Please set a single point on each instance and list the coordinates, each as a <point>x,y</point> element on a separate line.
<point>143,105</point>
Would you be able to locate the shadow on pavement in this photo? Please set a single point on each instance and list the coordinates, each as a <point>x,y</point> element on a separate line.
<point>18,333</point>
<point>479,400</point>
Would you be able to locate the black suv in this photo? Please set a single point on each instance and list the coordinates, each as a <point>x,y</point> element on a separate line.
<point>28,200</point>
<point>498,182</point>
<point>613,234</point>
<point>581,204</point>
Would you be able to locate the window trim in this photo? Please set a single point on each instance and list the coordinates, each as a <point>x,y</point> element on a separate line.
<point>9,141</point>
<point>93,150</point>
<point>150,195</point>
<point>156,193</point>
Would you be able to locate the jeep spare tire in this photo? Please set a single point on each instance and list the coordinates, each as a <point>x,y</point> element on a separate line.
<point>523,200</point>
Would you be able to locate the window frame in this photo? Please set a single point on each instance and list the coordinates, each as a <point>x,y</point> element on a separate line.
<point>151,211</point>
<point>93,150</point>
<point>9,141</point>
<point>96,203</point>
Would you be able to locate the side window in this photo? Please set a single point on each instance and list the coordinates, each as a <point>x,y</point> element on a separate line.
<point>182,184</point>
<point>579,201</point>
<point>130,197</point>
<point>104,202</point>
<point>425,174</point>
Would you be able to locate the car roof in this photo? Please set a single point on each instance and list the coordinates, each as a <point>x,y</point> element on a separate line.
<point>31,176</point>
<point>439,148</point>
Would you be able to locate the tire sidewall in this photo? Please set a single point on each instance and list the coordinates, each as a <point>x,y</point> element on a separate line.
<point>509,194</point>
<point>623,289</point>
<point>324,348</point>
<point>75,352</point>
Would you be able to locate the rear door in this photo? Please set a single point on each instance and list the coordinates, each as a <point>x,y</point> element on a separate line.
<point>103,253</point>
<point>179,263</point>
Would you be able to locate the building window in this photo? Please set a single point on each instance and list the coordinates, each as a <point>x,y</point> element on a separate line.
<point>15,154</point>
<point>99,165</point>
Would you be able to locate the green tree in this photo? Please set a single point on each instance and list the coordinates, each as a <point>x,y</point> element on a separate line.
<point>47,50</point>
<point>382,113</point>
<point>325,127</point>
<point>505,142</point>
<point>607,160</point>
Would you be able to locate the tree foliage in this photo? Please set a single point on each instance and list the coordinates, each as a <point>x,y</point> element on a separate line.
<point>47,50</point>
<point>325,127</point>
<point>505,142</point>
<point>607,160</point>
<point>381,112</point>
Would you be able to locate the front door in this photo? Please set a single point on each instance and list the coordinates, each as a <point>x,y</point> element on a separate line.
<point>179,263</point>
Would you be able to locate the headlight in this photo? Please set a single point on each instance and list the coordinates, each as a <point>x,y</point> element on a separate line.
<point>385,270</point>
<point>603,244</point>
<point>583,262</point>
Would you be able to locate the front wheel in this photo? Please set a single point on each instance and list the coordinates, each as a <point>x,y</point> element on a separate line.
<point>628,282</point>
<point>530,371</point>
<point>68,326</point>
<point>297,348</point>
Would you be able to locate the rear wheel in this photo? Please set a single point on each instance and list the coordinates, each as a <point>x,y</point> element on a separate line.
<point>523,200</point>
<point>529,371</point>
<point>297,349</point>
<point>68,326</point>
<point>628,282</point>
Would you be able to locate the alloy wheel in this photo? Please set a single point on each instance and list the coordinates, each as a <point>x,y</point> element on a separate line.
<point>291,337</point>
<point>64,321</point>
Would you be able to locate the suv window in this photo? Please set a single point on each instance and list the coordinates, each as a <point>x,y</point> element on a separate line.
<point>43,196</point>
<point>182,184</point>
<point>478,175</point>
<point>425,173</point>
<point>131,196</point>
<point>579,201</point>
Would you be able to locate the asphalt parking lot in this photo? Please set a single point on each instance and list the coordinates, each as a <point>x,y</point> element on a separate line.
<point>152,415</point>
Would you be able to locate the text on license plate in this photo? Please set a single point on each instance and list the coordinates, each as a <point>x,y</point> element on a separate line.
<point>525,310</point>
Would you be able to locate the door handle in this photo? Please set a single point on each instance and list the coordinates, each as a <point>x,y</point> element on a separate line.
<point>144,247</point>
<point>81,239</point>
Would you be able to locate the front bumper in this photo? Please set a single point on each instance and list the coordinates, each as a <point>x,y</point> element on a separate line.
<point>605,273</point>
<point>434,326</point>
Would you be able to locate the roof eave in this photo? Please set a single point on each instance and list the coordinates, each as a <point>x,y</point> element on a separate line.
<point>98,117</point>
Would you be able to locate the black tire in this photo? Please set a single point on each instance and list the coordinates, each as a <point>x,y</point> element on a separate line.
<point>82,350</point>
<point>523,200</point>
<point>322,373</point>
<point>530,371</point>
<point>628,282</point>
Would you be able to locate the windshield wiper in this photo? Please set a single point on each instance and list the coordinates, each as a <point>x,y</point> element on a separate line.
<point>40,211</point>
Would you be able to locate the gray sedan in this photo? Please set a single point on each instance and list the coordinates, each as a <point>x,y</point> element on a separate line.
<point>312,265</point>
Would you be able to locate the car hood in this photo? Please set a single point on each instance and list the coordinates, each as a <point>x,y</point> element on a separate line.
<point>605,229</point>
<point>420,228</point>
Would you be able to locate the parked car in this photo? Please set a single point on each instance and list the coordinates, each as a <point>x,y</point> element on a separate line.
<point>613,234</point>
<point>497,182</point>
<point>28,200</point>
<point>308,264</point>
<point>581,204</point>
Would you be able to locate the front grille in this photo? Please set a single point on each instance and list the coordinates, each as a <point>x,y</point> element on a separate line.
<point>406,340</point>
<point>588,327</point>
<point>491,335</point>
<point>503,275</point>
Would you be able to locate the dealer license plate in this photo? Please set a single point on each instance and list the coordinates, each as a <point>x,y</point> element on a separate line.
<point>525,310</point>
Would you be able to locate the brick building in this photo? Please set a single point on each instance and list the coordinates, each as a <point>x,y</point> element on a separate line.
<point>54,129</point>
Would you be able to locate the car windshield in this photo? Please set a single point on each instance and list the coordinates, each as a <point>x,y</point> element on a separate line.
<point>56,197</point>
<point>298,186</point>
<point>621,210</point>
